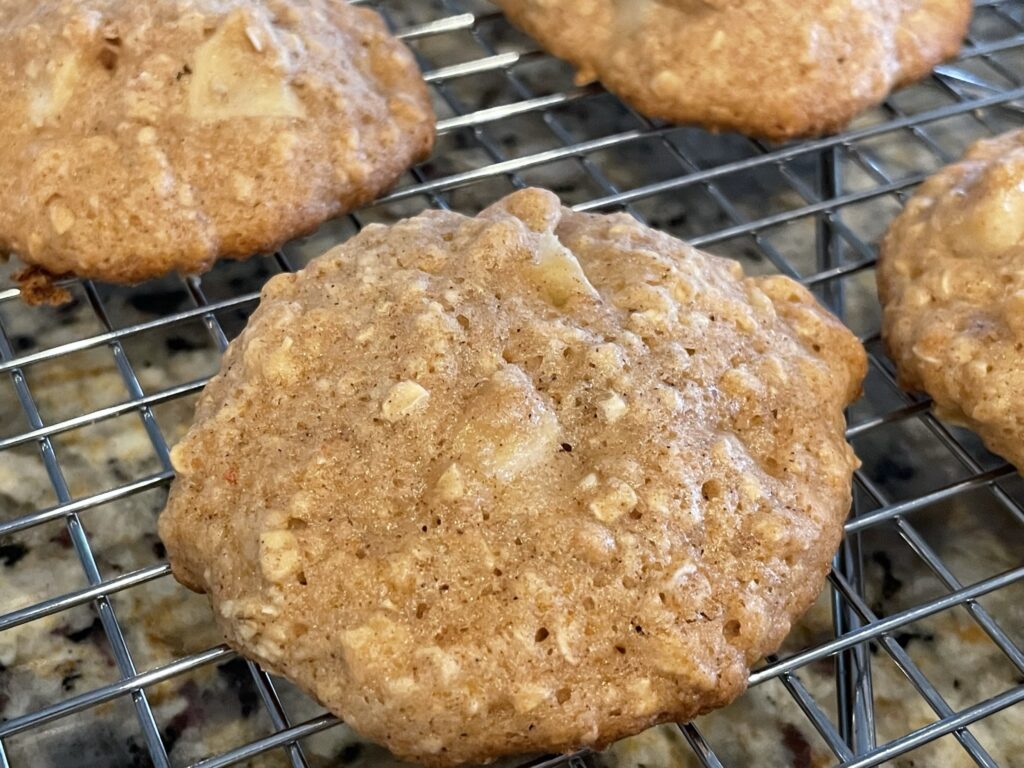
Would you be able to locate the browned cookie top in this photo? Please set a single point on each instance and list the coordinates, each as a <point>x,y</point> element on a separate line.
<point>145,137</point>
<point>526,481</point>
<point>770,68</point>
<point>951,277</point>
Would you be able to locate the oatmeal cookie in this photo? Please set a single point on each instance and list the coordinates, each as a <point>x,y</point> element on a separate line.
<point>143,138</point>
<point>951,279</point>
<point>777,69</point>
<point>521,482</point>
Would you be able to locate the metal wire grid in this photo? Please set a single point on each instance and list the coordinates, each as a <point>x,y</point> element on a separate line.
<point>979,94</point>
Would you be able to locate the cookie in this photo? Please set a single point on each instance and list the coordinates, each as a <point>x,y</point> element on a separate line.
<point>776,69</point>
<point>143,138</point>
<point>951,279</point>
<point>522,482</point>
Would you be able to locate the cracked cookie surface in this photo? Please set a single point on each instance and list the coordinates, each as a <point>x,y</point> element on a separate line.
<point>143,138</point>
<point>951,279</point>
<point>521,482</point>
<point>776,69</point>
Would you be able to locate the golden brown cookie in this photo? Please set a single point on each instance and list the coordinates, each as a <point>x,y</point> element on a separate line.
<point>951,278</point>
<point>146,137</point>
<point>777,69</point>
<point>526,481</point>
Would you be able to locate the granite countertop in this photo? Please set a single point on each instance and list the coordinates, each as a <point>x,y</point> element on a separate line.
<point>217,707</point>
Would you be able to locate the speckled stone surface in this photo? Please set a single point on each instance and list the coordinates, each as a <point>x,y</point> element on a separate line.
<point>217,707</point>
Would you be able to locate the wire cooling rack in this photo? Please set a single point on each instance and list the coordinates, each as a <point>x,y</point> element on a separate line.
<point>913,654</point>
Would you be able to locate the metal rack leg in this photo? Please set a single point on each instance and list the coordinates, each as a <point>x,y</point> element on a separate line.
<point>853,667</point>
<point>828,242</point>
<point>854,695</point>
